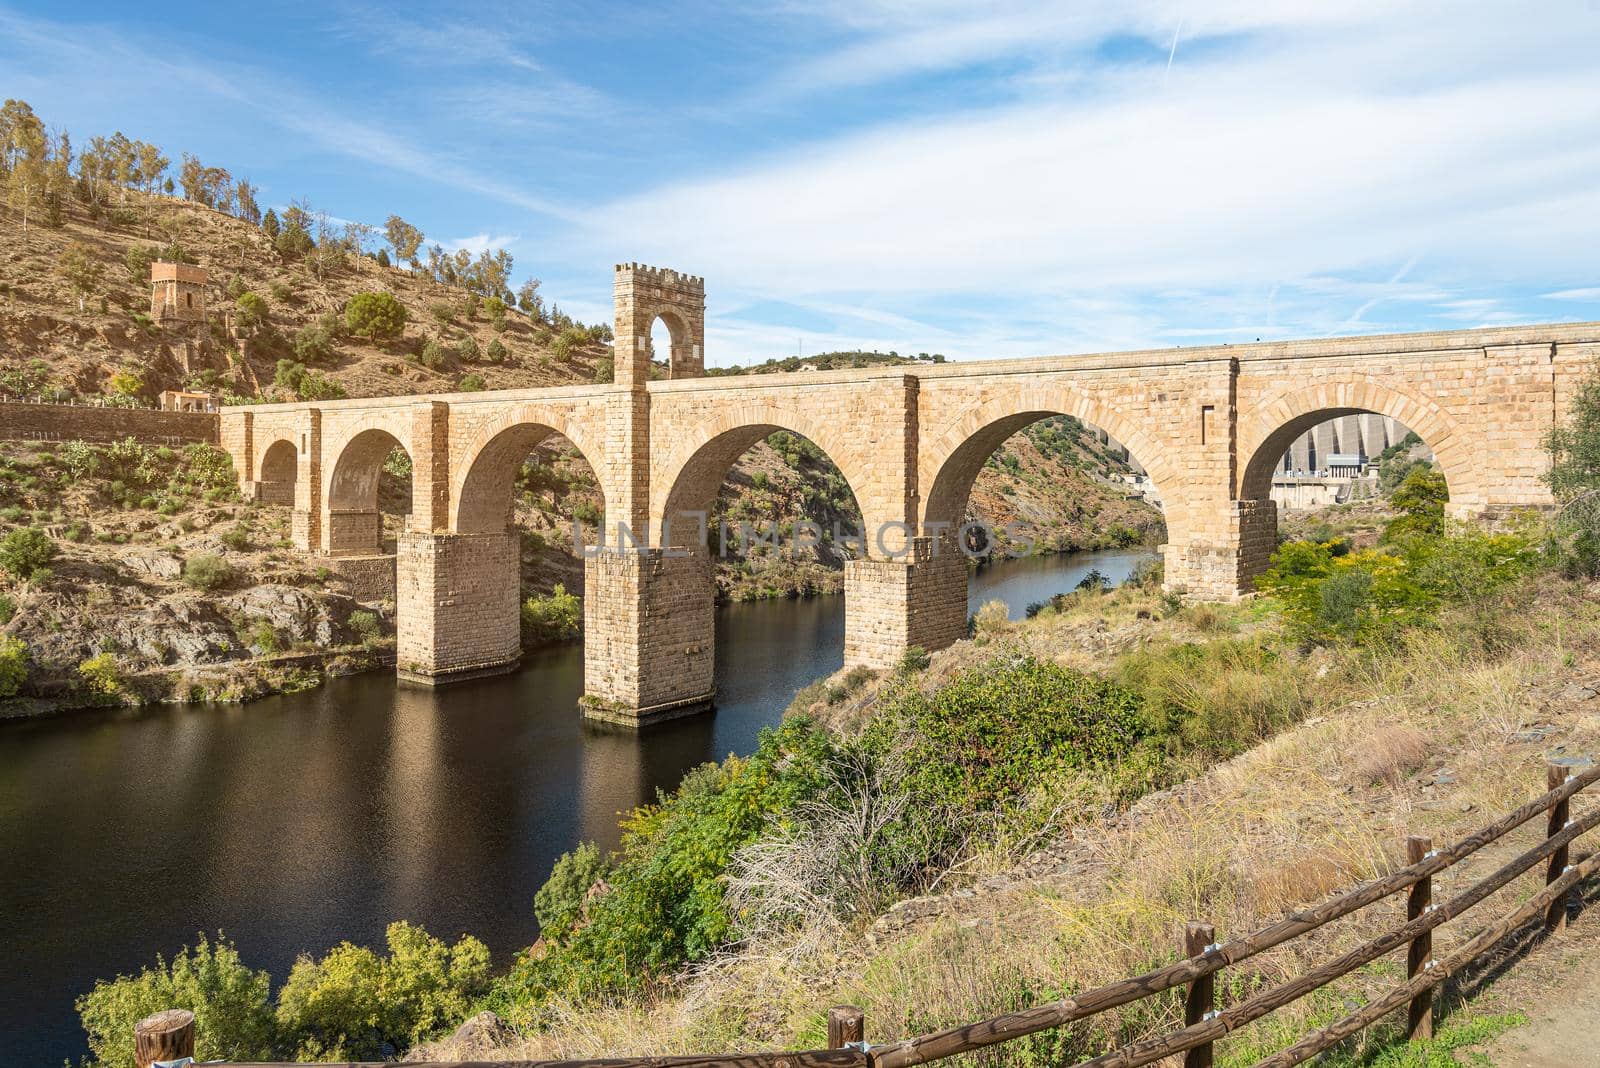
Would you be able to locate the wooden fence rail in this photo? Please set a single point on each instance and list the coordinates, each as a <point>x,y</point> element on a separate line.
<point>170,1035</point>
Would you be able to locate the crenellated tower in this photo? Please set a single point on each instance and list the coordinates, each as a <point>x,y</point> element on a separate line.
<point>644,294</point>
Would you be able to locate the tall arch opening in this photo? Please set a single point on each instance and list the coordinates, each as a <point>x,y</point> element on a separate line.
<point>1043,482</point>
<point>279,465</point>
<point>747,512</point>
<point>369,496</point>
<point>1342,452</point>
<point>670,345</point>
<point>533,485</point>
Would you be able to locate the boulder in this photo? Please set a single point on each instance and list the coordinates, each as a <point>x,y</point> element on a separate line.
<point>480,1034</point>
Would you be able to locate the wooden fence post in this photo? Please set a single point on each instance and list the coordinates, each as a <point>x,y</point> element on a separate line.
<point>1419,1018</point>
<point>846,1024</point>
<point>1555,917</point>
<point>1197,937</point>
<point>166,1036</point>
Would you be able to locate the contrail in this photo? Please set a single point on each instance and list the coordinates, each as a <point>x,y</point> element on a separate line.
<point>1172,51</point>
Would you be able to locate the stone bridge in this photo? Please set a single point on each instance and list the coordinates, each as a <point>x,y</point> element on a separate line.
<point>1209,425</point>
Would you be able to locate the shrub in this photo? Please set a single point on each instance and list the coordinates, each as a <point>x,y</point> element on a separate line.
<point>26,551</point>
<point>377,316</point>
<point>13,664</point>
<point>312,344</point>
<point>102,677</point>
<point>8,609</point>
<point>208,467</point>
<point>569,342</point>
<point>233,1013</point>
<point>987,739</point>
<point>560,901</point>
<point>1372,593</point>
<point>496,352</point>
<point>467,350</point>
<point>914,659</point>
<point>126,383</point>
<point>79,458</point>
<point>1216,698</point>
<point>554,618</point>
<point>666,905</point>
<point>207,571</point>
<point>470,384</point>
<point>237,537</point>
<point>366,626</point>
<point>432,355</point>
<point>355,1003</point>
<point>992,617</point>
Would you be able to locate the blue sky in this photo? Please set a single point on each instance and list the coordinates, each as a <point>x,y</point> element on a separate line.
<point>980,180</point>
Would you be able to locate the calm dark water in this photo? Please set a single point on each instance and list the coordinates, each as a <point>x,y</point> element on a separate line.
<point>298,821</point>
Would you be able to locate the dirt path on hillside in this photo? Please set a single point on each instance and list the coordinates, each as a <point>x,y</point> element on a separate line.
<point>1563,1029</point>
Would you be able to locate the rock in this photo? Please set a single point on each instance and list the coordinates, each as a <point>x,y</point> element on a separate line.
<point>482,1032</point>
<point>158,564</point>
<point>1577,692</point>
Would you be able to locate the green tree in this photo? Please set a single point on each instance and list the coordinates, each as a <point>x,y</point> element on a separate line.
<point>528,298</point>
<point>231,1005</point>
<point>1574,446</point>
<point>1420,499</point>
<point>250,311</point>
<point>26,551</point>
<point>404,238</point>
<point>557,617</point>
<point>82,269</point>
<point>270,225</point>
<point>293,241</point>
<point>378,316</point>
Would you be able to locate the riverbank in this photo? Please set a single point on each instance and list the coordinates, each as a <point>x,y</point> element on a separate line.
<point>1434,730</point>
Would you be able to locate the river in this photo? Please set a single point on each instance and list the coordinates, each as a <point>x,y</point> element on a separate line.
<point>298,821</point>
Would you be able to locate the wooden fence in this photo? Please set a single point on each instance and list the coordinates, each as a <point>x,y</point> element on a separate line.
<point>169,1035</point>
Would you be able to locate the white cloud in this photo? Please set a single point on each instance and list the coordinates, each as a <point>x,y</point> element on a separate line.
<point>1574,294</point>
<point>477,244</point>
<point>1324,146</point>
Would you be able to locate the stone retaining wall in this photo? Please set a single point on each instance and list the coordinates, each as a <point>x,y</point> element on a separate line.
<point>68,422</point>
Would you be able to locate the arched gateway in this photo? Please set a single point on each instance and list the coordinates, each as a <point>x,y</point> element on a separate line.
<point>1207,424</point>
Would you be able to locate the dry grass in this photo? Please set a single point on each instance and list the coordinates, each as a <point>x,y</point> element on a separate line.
<point>1388,755</point>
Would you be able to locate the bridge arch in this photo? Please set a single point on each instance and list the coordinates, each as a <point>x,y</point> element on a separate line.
<point>1274,424</point>
<point>277,469</point>
<point>949,467</point>
<point>686,483</point>
<point>481,479</point>
<point>353,523</point>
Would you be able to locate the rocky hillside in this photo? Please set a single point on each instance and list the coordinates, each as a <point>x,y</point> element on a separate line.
<point>52,346</point>
<point>152,582</point>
